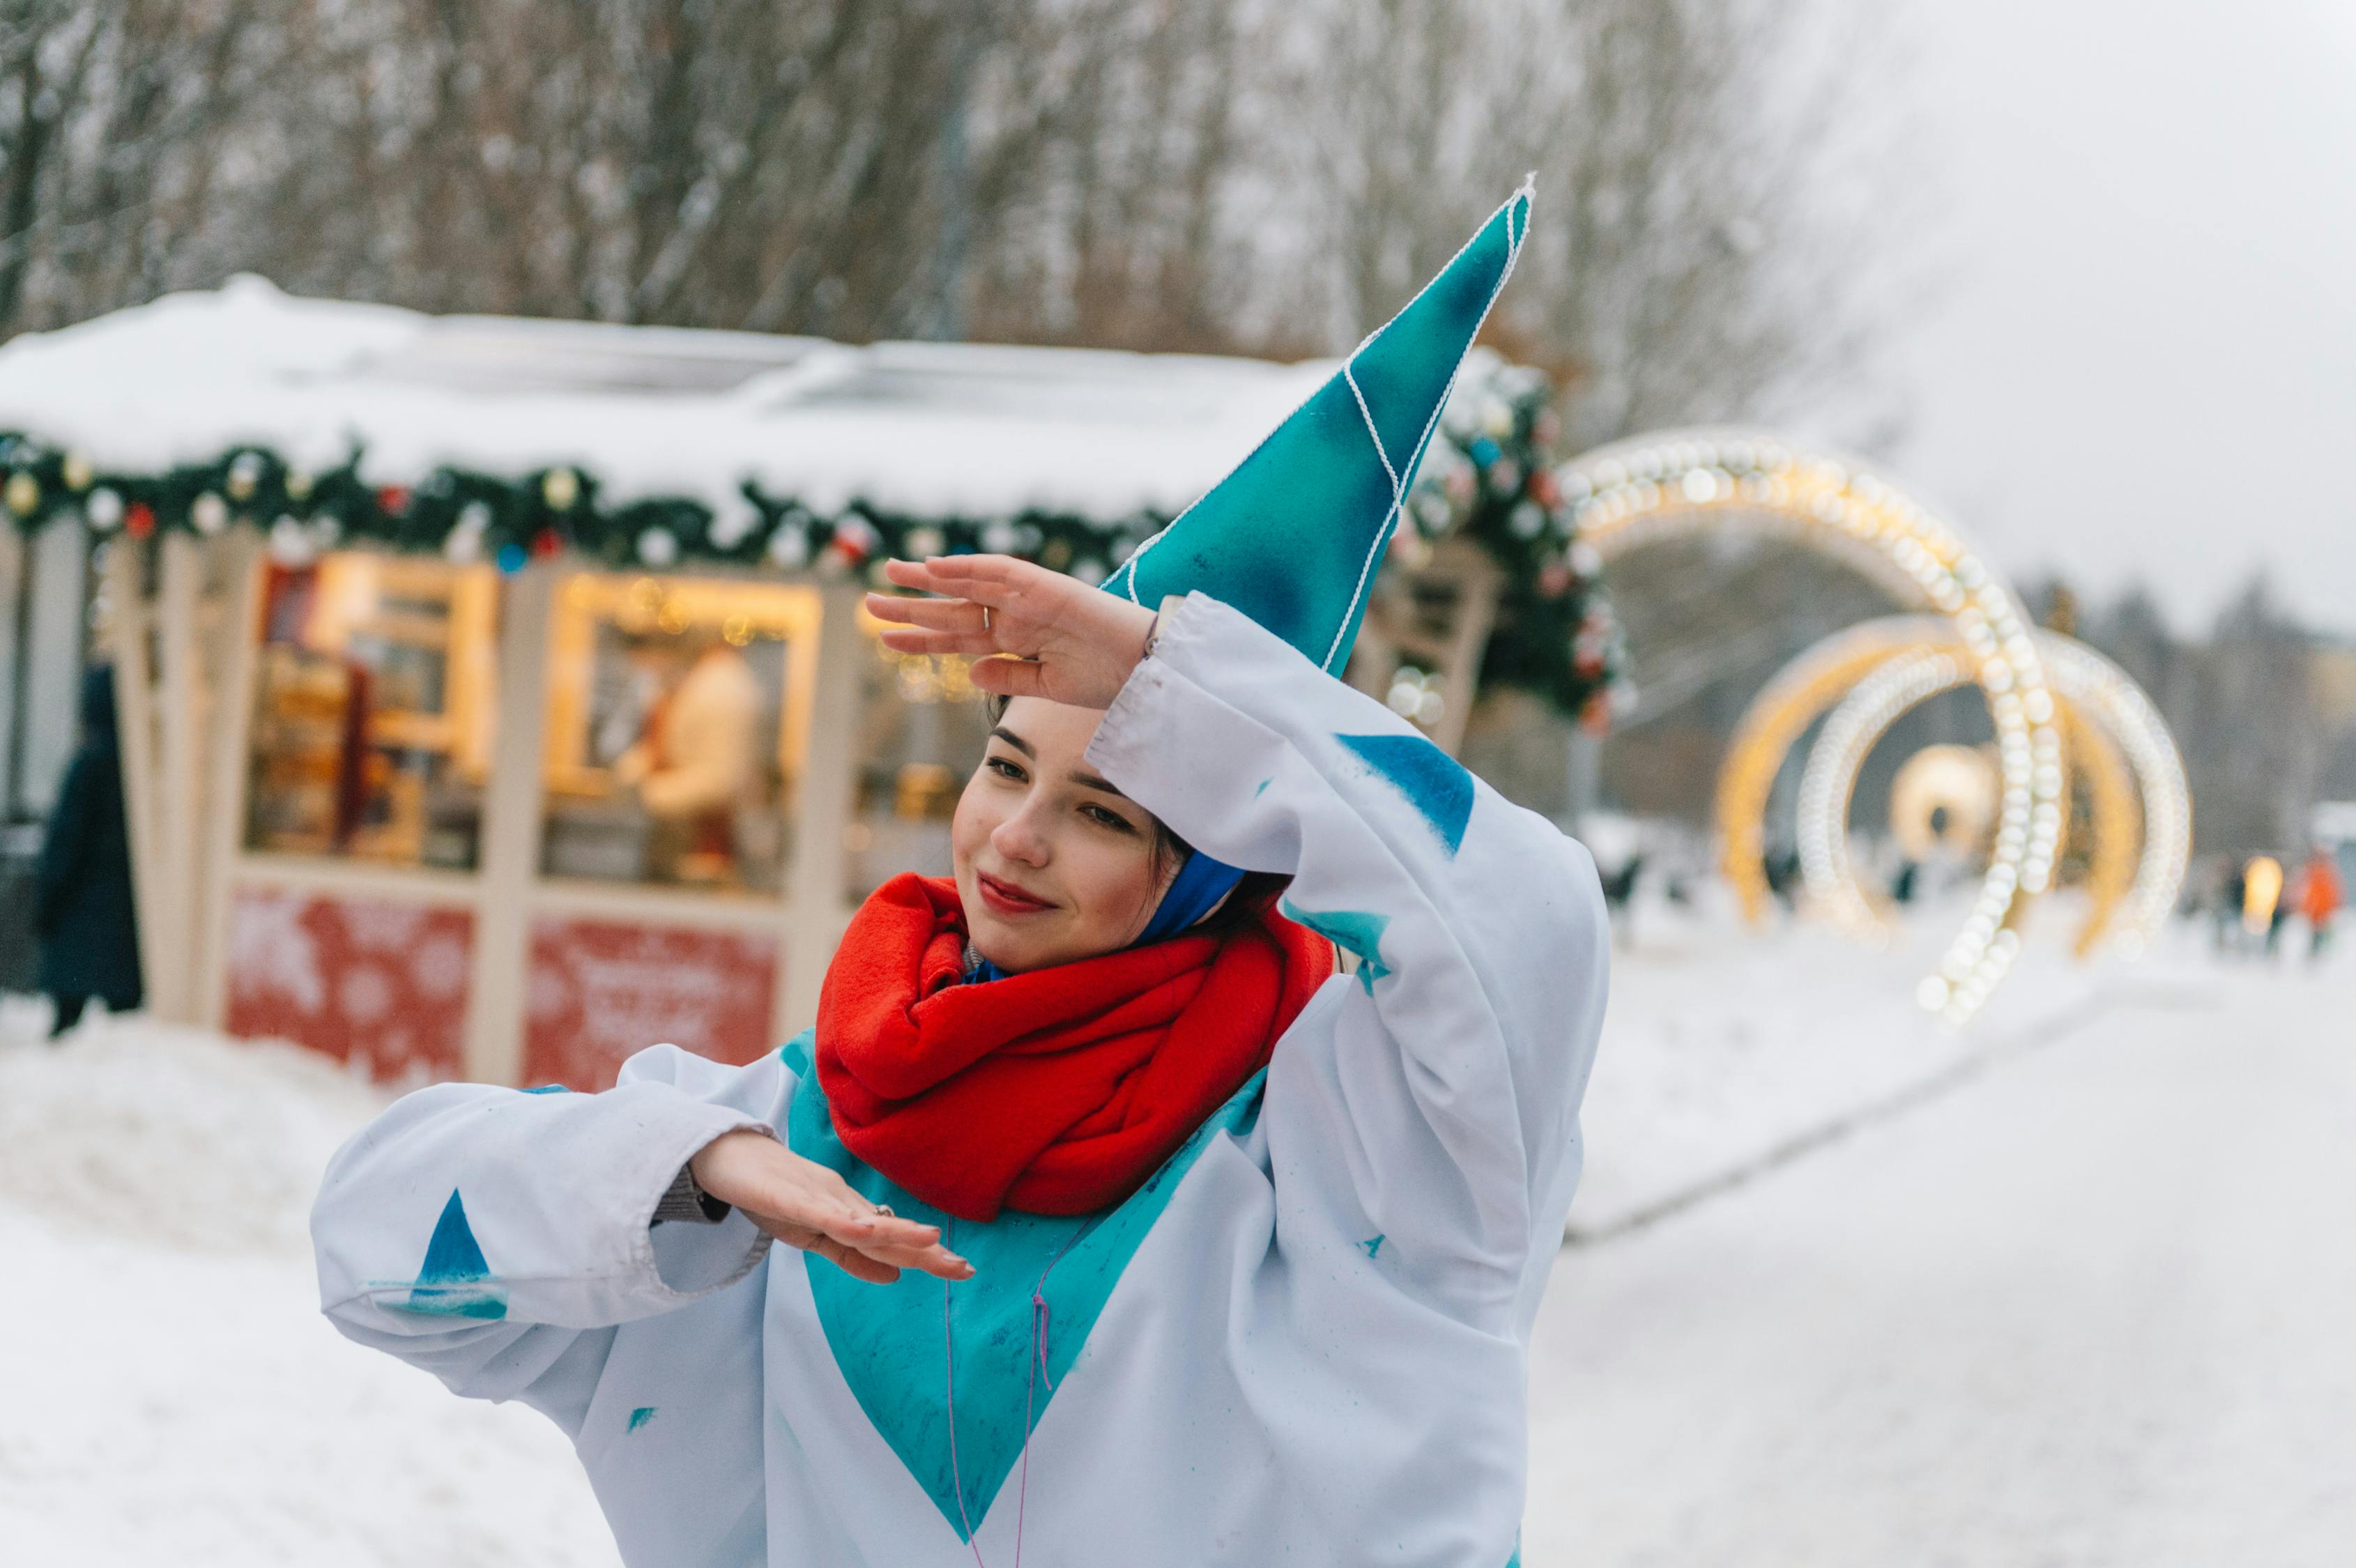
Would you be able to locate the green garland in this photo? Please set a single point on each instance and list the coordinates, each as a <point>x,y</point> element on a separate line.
<point>1490,480</point>
<point>469,516</point>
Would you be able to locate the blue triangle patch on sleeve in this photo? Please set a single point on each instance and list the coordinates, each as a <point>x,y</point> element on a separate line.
<point>454,1280</point>
<point>1358,932</point>
<point>1434,783</point>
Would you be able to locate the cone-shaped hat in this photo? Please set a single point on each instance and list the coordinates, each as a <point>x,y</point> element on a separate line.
<point>1293,535</point>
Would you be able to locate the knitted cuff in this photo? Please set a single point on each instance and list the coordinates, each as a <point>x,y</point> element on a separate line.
<point>686,1201</point>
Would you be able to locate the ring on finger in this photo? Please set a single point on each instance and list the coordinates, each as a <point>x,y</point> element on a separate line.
<point>985,617</point>
<point>884,1212</point>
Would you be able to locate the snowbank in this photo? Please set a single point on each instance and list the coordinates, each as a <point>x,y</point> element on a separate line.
<point>173,1137</point>
<point>172,1395</point>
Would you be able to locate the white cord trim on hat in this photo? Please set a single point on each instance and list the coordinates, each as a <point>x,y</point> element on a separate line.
<point>1526,191</point>
<point>1399,491</point>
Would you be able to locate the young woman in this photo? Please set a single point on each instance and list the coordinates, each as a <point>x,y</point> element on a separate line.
<point>1121,1227</point>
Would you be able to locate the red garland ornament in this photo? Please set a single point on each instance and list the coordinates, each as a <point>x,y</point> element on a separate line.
<point>393,498</point>
<point>1543,489</point>
<point>546,543</point>
<point>139,519</point>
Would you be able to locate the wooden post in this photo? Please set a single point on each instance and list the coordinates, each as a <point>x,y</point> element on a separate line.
<point>507,858</point>
<point>135,729</point>
<point>179,774</point>
<point>1476,610</point>
<point>234,658</point>
<point>814,914</point>
<point>1438,615</point>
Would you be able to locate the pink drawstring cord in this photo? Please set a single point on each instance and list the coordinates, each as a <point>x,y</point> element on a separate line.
<point>1037,1371</point>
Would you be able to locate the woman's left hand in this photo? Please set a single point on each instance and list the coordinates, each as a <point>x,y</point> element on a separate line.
<point>1055,637</point>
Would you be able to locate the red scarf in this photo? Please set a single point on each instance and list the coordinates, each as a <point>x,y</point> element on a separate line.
<point>1055,1091</point>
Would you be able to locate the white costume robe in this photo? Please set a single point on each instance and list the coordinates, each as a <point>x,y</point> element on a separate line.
<point>1302,1342</point>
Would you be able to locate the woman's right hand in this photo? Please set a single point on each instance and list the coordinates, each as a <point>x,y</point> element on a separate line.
<point>805,1205</point>
<point>1060,638</point>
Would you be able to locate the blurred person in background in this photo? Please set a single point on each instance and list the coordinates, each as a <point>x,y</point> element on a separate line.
<point>2262,902</point>
<point>2228,906</point>
<point>2319,898</point>
<point>695,763</point>
<point>82,912</point>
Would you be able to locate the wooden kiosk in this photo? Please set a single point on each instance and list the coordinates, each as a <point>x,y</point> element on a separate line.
<point>409,615</point>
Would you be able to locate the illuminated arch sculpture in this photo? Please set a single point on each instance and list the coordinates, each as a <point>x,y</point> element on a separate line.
<point>1679,482</point>
<point>2141,812</point>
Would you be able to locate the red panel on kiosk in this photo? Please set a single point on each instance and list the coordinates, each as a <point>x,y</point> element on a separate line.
<point>596,992</point>
<point>379,983</point>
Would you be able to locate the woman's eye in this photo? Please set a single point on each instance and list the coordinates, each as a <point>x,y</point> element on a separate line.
<point>1004,769</point>
<point>1107,819</point>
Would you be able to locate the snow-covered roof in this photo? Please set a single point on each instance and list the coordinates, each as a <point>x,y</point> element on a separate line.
<point>941,429</point>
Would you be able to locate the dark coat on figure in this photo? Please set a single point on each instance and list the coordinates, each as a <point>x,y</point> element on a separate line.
<point>82,913</point>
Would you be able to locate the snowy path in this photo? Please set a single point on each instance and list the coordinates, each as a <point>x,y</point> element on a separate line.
<point>2096,1308</point>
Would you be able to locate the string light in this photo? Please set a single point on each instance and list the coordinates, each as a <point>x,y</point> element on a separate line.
<point>2087,686</point>
<point>1670,482</point>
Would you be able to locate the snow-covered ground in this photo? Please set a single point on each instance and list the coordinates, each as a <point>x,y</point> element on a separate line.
<point>2095,1307</point>
<point>169,1395</point>
<point>2086,1305</point>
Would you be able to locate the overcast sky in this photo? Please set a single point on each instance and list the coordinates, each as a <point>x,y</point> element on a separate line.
<point>2142,357</point>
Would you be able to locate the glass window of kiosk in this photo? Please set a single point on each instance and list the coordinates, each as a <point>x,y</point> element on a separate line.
<point>922,727</point>
<point>372,716</point>
<point>678,720</point>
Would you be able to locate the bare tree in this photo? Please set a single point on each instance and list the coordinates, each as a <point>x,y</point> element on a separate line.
<point>1105,214</point>
<point>1698,252</point>
<point>114,116</point>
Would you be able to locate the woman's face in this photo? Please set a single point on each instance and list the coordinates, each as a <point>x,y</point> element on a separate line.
<point>1053,863</point>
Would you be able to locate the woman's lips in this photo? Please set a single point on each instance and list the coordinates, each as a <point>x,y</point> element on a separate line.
<point>1006,899</point>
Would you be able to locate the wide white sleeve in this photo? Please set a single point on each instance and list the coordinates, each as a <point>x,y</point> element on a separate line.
<point>1461,1045</point>
<point>477,1231</point>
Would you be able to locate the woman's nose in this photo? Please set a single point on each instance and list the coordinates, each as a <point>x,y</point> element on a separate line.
<point>1018,839</point>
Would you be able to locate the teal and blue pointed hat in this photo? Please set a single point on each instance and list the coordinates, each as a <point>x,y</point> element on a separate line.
<point>1292,537</point>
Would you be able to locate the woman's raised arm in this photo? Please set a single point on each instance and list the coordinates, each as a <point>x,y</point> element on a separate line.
<point>1459,1052</point>
<point>1462,1050</point>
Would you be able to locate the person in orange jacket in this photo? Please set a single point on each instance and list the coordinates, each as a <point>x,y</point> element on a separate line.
<point>2319,898</point>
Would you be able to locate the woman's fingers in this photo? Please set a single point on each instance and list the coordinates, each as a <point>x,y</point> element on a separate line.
<point>854,1263</point>
<point>842,1219</point>
<point>899,1242</point>
<point>1010,678</point>
<point>918,640</point>
<point>984,579</point>
<point>806,1205</point>
<point>940,615</point>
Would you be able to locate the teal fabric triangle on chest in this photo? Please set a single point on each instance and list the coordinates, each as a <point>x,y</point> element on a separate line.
<point>897,1345</point>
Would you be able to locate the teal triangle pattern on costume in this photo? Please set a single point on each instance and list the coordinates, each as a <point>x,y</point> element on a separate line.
<point>1358,932</point>
<point>454,1279</point>
<point>1293,535</point>
<point>1434,783</point>
<point>895,1352</point>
